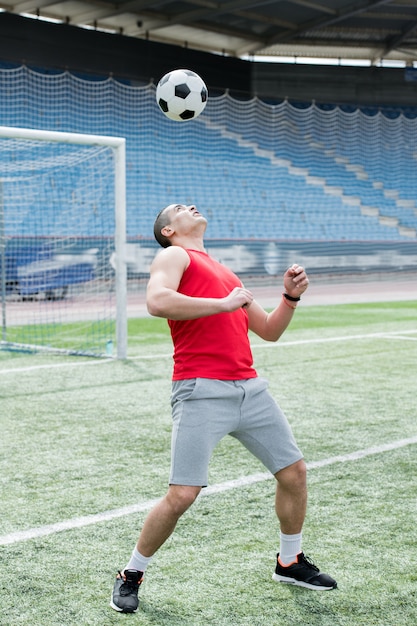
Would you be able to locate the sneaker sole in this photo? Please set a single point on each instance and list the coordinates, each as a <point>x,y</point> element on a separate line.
<point>299,583</point>
<point>118,609</point>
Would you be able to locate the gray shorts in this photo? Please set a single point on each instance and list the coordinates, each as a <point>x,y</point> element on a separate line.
<point>205,410</point>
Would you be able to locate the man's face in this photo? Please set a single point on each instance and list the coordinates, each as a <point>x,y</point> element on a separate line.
<point>183,217</point>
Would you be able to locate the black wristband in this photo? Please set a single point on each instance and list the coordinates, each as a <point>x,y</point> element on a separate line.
<point>290,298</point>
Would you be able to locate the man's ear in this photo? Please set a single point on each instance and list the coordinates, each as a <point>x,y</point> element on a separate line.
<point>166,231</point>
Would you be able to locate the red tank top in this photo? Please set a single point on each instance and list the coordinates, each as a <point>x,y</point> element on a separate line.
<point>216,346</point>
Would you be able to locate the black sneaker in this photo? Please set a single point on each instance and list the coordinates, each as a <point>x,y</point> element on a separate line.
<point>125,591</point>
<point>304,574</point>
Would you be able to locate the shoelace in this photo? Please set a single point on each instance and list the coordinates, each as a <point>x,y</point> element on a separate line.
<point>310,563</point>
<point>127,587</point>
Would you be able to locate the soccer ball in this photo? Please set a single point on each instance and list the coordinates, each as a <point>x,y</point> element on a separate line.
<point>181,95</point>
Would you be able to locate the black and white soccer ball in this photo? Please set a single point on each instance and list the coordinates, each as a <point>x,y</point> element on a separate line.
<point>181,95</point>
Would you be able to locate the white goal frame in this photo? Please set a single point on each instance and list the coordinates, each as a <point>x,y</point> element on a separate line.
<point>118,145</point>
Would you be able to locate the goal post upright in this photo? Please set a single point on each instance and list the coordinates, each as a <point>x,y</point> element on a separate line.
<point>120,245</point>
<point>118,146</point>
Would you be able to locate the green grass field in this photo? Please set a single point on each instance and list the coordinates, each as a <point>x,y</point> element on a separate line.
<point>85,449</point>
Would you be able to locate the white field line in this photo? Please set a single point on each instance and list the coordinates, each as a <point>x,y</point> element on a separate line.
<point>299,342</point>
<point>34,368</point>
<point>401,338</point>
<point>141,507</point>
<point>168,355</point>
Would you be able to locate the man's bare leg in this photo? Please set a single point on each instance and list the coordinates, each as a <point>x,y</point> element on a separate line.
<point>162,519</point>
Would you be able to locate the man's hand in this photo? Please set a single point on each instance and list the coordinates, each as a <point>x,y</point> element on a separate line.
<point>237,298</point>
<point>295,280</point>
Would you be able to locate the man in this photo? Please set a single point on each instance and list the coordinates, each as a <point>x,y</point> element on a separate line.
<point>216,391</point>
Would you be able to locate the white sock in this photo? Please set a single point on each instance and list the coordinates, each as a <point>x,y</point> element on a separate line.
<point>290,546</point>
<point>138,561</point>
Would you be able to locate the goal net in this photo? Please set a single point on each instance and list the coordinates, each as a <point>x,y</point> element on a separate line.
<point>62,237</point>
<point>332,188</point>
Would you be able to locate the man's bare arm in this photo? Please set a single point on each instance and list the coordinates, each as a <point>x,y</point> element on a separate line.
<point>163,299</point>
<point>270,326</point>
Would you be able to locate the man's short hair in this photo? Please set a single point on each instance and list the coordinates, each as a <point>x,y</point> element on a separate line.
<point>162,219</point>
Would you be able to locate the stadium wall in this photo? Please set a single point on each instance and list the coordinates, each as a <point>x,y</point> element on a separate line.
<point>60,47</point>
<point>270,258</point>
<point>334,84</point>
<point>40,44</point>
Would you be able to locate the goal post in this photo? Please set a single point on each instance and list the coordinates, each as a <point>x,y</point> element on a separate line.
<point>63,242</point>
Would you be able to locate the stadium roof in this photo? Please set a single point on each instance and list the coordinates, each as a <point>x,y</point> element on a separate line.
<point>349,29</point>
